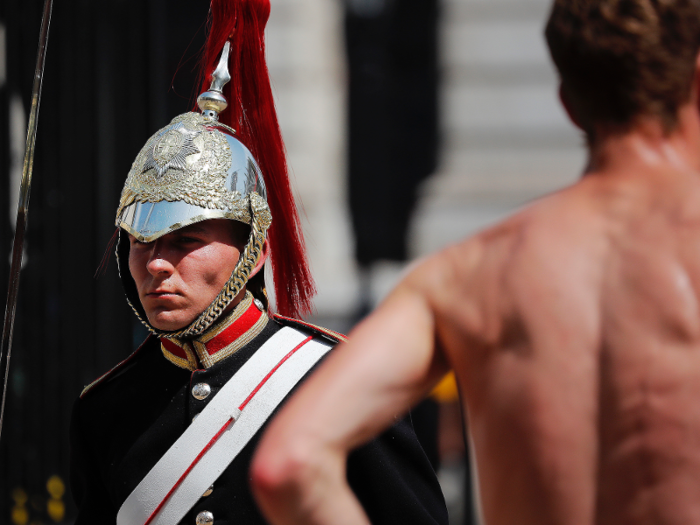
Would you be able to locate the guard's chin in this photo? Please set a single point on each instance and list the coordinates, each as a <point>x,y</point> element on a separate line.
<point>169,321</point>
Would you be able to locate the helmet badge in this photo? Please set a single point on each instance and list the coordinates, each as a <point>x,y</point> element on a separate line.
<point>171,149</point>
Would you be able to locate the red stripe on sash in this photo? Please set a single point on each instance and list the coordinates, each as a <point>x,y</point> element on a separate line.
<point>222,430</point>
<point>255,390</point>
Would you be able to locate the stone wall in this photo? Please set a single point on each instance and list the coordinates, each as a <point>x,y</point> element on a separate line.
<point>506,139</point>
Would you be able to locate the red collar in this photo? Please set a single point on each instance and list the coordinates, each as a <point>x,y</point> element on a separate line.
<point>233,332</point>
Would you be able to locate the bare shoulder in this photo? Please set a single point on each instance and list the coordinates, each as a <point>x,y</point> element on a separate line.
<point>461,279</point>
<point>476,261</point>
<point>481,280</point>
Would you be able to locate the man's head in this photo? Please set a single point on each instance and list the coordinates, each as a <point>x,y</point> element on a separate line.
<point>191,173</point>
<point>623,59</point>
<point>180,274</point>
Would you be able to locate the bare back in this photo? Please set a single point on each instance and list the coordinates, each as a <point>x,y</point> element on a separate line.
<point>575,332</point>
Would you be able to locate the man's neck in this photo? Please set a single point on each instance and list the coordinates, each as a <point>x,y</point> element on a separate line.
<point>648,146</point>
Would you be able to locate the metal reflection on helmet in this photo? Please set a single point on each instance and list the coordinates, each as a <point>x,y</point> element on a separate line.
<point>191,170</point>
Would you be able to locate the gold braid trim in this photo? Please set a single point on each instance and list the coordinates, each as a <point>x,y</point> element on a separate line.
<point>190,363</point>
<point>210,360</point>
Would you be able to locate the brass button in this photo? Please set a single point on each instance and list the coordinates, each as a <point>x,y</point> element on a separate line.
<point>208,491</point>
<point>259,305</point>
<point>201,391</point>
<point>205,518</point>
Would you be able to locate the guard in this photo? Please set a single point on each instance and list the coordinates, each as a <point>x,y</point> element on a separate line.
<point>167,436</point>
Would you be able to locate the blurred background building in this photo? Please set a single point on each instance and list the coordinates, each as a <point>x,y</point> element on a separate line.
<point>119,70</point>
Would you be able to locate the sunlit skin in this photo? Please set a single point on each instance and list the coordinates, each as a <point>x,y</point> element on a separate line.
<point>179,274</point>
<point>573,329</point>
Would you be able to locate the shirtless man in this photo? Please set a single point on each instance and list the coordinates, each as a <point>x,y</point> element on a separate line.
<point>573,327</point>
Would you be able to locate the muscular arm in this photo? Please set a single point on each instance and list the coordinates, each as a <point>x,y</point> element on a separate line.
<point>390,363</point>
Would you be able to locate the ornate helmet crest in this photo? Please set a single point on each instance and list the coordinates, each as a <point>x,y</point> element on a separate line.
<point>203,166</point>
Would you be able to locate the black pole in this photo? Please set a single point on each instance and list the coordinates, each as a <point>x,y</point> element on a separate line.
<point>23,209</point>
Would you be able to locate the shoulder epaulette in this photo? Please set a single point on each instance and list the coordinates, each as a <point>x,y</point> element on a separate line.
<point>336,337</point>
<point>119,366</point>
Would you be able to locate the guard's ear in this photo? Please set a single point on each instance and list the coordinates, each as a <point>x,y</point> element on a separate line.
<point>568,107</point>
<point>261,261</point>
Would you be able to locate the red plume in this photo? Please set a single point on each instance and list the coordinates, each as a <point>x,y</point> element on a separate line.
<point>251,112</point>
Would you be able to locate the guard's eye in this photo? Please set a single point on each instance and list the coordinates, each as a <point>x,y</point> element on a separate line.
<point>185,239</point>
<point>134,241</point>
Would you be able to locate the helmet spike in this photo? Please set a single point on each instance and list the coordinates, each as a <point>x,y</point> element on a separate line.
<point>212,102</point>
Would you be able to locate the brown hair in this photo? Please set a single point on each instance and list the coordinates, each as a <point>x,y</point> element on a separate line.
<point>621,59</point>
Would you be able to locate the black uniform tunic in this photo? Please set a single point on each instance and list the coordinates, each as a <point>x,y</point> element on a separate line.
<point>122,426</point>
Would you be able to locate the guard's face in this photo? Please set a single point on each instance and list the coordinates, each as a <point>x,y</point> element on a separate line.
<point>179,274</point>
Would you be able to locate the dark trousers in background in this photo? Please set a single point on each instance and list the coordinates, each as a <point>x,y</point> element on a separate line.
<point>393,118</point>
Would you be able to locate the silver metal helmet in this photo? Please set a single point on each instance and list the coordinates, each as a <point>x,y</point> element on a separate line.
<point>193,170</point>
